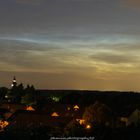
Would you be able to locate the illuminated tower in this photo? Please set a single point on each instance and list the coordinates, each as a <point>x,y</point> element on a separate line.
<point>14,82</point>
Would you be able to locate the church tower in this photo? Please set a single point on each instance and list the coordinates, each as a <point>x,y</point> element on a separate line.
<point>14,83</point>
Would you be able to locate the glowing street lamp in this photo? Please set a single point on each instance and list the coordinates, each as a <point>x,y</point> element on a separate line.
<point>88,126</point>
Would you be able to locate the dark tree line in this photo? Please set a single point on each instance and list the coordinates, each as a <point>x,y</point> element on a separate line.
<point>18,94</point>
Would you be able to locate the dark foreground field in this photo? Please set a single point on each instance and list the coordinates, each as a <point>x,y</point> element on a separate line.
<point>46,114</point>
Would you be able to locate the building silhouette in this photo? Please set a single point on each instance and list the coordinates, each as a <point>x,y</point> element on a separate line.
<point>14,82</point>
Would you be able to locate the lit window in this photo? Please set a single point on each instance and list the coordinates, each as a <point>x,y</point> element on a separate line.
<point>81,121</point>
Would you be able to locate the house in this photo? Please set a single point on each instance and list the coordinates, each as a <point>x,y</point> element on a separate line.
<point>13,106</point>
<point>3,113</point>
<point>65,110</point>
<point>131,118</point>
<point>134,118</point>
<point>30,119</point>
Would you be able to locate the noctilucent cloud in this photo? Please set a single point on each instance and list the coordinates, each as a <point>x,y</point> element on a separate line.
<point>71,44</point>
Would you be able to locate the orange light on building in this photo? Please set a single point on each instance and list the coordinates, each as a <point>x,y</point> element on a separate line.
<point>30,108</point>
<point>81,121</point>
<point>3,124</point>
<point>54,114</point>
<point>124,119</point>
<point>88,126</point>
<point>68,108</point>
<point>76,107</point>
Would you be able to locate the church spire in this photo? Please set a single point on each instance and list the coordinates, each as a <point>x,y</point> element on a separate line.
<point>14,83</point>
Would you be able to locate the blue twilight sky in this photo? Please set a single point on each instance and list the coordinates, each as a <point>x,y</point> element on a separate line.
<point>71,44</point>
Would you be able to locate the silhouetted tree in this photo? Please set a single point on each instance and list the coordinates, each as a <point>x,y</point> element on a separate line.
<point>98,113</point>
<point>16,93</point>
<point>73,129</point>
<point>3,92</point>
<point>29,95</point>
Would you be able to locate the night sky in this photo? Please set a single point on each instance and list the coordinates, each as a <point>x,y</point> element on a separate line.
<point>71,44</point>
